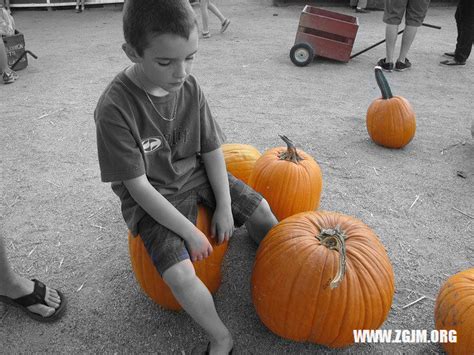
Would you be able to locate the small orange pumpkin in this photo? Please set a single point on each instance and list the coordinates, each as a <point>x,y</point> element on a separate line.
<point>208,270</point>
<point>290,180</point>
<point>240,159</point>
<point>390,119</point>
<point>454,310</point>
<point>319,275</point>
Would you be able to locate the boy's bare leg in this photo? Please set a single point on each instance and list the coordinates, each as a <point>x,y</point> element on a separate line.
<point>197,301</point>
<point>408,36</point>
<point>391,33</point>
<point>261,221</point>
<point>14,286</point>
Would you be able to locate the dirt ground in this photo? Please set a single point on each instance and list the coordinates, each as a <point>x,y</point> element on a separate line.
<point>63,226</point>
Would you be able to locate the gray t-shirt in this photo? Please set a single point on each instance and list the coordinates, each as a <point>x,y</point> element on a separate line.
<point>132,140</point>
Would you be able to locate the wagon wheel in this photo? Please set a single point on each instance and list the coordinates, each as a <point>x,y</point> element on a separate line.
<point>301,54</point>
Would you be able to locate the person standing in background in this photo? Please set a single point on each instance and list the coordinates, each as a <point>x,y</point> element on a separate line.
<point>415,12</point>
<point>208,5</point>
<point>465,24</point>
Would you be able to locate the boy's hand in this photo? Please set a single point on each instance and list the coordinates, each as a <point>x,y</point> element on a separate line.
<point>222,225</point>
<point>198,245</point>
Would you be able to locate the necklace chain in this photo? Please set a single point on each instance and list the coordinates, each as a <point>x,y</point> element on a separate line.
<point>173,113</point>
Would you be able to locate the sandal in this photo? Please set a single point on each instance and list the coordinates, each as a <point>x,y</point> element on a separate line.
<point>224,25</point>
<point>451,62</point>
<point>206,35</point>
<point>36,297</point>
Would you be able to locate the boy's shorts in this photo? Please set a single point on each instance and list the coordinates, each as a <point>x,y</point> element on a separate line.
<point>415,12</point>
<point>167,248</point>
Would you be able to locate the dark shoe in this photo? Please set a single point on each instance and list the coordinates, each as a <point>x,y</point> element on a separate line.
<point>400,66</point>
<point>449,54</point>
<point>452,62</point>
<point>208,349</point>
<point>36,297</point>
<point>385,66</point>
<point>361,10</point>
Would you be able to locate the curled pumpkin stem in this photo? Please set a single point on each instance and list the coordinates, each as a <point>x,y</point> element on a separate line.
<point>335,239</point>
<point>291,154</point>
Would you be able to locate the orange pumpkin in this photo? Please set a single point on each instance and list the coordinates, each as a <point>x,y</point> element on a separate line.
<point>319,275</point>
<point>290,180</point>
<point>454,310</point>
<point>208,270</point>
<point>240,159</point>
<point>390,119</point>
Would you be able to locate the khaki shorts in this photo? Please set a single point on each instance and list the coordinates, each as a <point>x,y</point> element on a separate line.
<point>167,248</point>
<point>414,11</point>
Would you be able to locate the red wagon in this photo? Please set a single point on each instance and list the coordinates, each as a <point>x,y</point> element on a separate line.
<point>323,33</point>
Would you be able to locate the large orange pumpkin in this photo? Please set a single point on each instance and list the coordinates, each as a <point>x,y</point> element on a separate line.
<point>240,159</point>
<point>454,310</point>
<point>208,270</point>
<point>290,180</point>
<point>390,119</point>
<point>319,275</point>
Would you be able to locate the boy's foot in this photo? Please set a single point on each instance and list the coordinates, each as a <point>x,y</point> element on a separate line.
<point>452,62</point>
<point>206,35</point>
<point>35,299</point>
<point>449,54</point>
<point>10,77</point>
<point>361,10</point>
<point>78,10</point>
<point>208,349</point>
<point>401,66</point>
<point>224,25</point>
<point>384,65</point>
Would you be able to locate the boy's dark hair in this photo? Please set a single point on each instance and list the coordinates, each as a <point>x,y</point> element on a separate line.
<point>145,18</point>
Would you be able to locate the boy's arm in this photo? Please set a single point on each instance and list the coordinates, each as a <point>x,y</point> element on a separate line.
<point>222,220</point>
<point>167,215</point>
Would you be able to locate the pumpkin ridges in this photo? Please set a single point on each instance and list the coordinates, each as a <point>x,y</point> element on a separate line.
<point>240,159</point>
<point>337,322</point>
<point>294,296</point>
<point>454,310</point>
<point>275,179</point>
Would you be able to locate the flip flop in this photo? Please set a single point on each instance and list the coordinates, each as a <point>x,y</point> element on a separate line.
<point>452,62</point>
<point>36,297</point>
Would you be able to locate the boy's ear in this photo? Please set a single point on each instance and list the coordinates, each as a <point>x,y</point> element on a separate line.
<point>131,53</point>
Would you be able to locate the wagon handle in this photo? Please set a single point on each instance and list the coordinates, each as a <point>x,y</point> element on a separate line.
<point>21,57</point>
<point>382,41</point>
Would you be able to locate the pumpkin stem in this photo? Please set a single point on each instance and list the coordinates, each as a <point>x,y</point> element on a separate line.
<point>291,154</point>
<point>383,83</point>
<point>335,239</point>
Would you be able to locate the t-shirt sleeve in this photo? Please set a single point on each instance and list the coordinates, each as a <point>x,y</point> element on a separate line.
<point>212,136</point>
<point>119,153</point>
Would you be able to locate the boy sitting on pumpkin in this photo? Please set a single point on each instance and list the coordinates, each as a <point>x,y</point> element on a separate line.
<point>159,146</point>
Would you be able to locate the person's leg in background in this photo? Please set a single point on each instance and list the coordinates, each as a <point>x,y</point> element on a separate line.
<point>465,22</point>
<point>8,75</point>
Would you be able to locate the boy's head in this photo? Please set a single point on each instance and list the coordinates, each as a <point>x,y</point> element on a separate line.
<point>143,19</point>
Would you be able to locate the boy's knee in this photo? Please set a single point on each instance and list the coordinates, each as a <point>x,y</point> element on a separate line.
<point>263,214</point>
<point>179,275</point>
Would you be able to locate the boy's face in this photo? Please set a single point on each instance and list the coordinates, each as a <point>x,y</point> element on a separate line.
<point>168,59</point>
